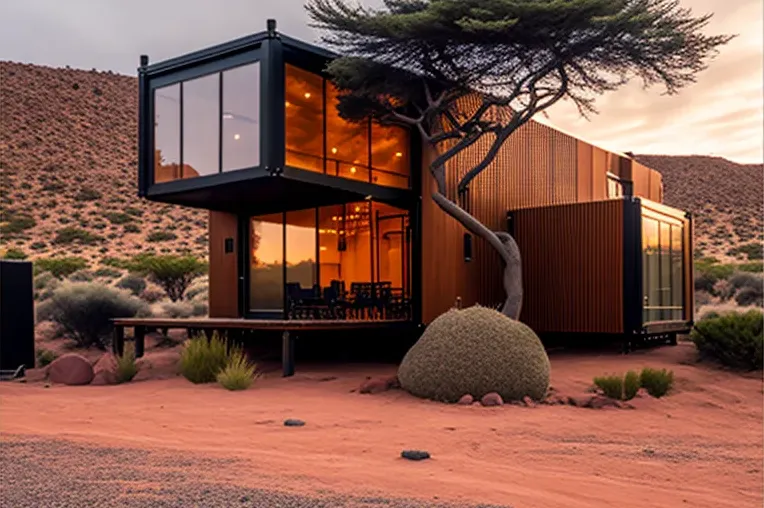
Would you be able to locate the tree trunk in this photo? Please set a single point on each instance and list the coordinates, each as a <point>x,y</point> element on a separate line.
<point>504,244</point>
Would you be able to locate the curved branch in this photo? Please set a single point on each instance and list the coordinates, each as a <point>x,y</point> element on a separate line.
<point>503,243</point>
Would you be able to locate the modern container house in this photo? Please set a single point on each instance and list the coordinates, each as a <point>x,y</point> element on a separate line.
<point>315,218</point>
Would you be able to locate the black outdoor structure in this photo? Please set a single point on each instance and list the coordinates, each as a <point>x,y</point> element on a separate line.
<point>16,318</point>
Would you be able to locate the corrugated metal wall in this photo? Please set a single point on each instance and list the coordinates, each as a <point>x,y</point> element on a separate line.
<point>572,266</point>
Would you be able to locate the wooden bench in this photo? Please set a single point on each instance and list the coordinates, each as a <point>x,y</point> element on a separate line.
<point>288,329</point>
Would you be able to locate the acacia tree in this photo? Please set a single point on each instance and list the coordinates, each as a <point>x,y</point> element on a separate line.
<point>414,61</point>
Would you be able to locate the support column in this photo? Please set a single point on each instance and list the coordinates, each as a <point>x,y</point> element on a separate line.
<point>287,354</point>
<point>118,341</point>
<point>140,340</point>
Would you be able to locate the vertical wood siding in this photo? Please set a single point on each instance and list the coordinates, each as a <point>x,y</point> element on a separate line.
<point>572,266</point>
<point>223,270</point>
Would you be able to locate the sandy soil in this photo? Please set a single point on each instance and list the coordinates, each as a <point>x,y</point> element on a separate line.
<point>701,446</point>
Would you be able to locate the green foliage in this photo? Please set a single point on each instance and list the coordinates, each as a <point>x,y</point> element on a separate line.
<point>750,296</point>
<point>656,382</point>
<point>85,310</point>
<point>202,360</point>
<point>734,339</point>
<point>238,373</point>
<point>38,245</point>
<point>107,272</point>
<point>754,251</point>
<point>161,236</point>
<point>61,267</point>
<point>131,228</point>
<point>611,386</point>
<point>173,273</point>
<point>17,223</point>
<point>45,357</point>
<point>72,234</point>
<point>119,218</point>
<point>631,385</point>
<point>13,253</point>
<point>81,276</point>
<point>114,262</point>
<point>754,267</point>
<point>135,212</point>
<point>126,367</point>
<point>133,283</point>
<point>87,194</point>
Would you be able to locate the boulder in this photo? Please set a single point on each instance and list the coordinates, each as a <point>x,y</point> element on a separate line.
<point>105,370</point>
<point>466,400</point>
<point>158,365</point>
<point>379,385</point>
<point>476,350</point>
<point>70,369</point>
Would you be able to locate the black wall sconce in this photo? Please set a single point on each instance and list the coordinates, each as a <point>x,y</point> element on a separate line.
<point>467,247</point>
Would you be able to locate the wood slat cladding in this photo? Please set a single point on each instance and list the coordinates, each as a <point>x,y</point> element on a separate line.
<point>572,266</point>
<point>223,267</point>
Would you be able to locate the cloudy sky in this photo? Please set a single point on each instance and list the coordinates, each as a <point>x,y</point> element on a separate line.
<point>722,114</point>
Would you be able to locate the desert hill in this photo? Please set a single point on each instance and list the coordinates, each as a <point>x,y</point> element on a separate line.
<point>726,198</point>
<point>68,140</point>
<point>68,144</point>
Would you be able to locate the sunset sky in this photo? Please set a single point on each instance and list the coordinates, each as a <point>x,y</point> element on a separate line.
<point>722,114</point>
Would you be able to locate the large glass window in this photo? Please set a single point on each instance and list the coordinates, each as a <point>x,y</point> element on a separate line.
<point>319,139</point>
<point>304,110</point>
<point>266,275</point>
<point>201,126</point>
<point>342,261</point>
<point>241,117</point>
<point>167,133</point>
<point>663,270</point>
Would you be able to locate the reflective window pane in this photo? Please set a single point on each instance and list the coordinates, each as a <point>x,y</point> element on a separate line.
<point>329,244</point>
<point>390,155</point>
<point>677,273</point>
<point>665,277</point>
<point>347,143</point>
<point>301,248</point>
<point>201,126</point>
<point>650,269</point>
<point>304,110</point>
<point>241,117</point>
<point>167,133</point>
<point>266,276</point>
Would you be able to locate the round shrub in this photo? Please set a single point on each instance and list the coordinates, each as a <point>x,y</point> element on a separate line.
<point>750,296</point>
<point>734,339</point>
<point>202,360</point>
<point>85,310</point>
<point>133,283</point>
<point>81,276</point>
<point>476,351</point>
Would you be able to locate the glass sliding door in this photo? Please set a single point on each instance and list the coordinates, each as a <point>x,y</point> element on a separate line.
<point>662,270</point>
<point>266,263</point>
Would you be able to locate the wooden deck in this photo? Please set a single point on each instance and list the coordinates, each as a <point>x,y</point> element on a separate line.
<point>289,329</point>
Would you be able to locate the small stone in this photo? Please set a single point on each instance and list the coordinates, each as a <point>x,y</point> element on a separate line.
<point>528,402</point>
<point>415,454</point>
<point>46,385</point>
<point>491,399</point>
<point>466,399</point>
<point>293,422</point>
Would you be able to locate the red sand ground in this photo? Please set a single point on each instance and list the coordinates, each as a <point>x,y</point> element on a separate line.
<point>701,446</point>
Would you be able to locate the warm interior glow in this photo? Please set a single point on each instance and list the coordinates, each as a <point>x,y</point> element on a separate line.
<point>307,95</point>
<point>236,137</point>
<point>334,150</point>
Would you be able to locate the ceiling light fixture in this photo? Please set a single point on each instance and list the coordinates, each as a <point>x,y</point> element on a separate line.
<point>399,154</point>
<point>307,95</point>
<point>353,170</point>
<point>227,116</point>
<point>286,104</point>
<point>236,137</point>
<point>334,150</point>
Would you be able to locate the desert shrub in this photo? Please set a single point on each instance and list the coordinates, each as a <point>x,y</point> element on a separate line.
<point>81,276</point>
<point>198,290</point>
<point>45,357</point>
<point>753,251</point>
<point>131,228</point>
<point>172,273</point>
<point>126,367</point>
<point>476,351</point>
<point>753,267</point>
<point>42,280</point>
<point>118,217</point>
<point>741,280</point>
<point>703,298</point>
<point>114,262</point>
<point>174,310</point>
<point>71,234</point>
<point>87,194</point>
<point>734,339</point>
<point>656,382</point>
<point>16,223</point>
<point>611,386</point>
<point>631,385</point>
<point>161,236</point>
<point>107,272</point>
<point>14,253</point>
<point>199,309</point>
<point>750,296</point>
<point>151,295</point>
<point>135,212</point>
<point>201,360</point>
<point>61,267</point>
<point>38,245</point>
<point>133,283</point>
<point>238,373</point>
<point>85,310</point>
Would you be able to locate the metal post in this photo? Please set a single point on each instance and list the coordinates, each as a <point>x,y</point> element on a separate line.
<point>287,354</point>
<point>140,340</point>
<point>118,342</point>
